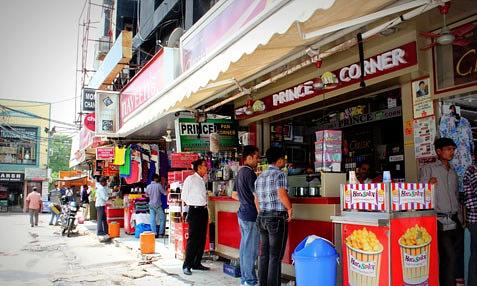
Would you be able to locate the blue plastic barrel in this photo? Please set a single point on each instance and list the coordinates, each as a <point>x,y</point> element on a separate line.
<point>315,260</point>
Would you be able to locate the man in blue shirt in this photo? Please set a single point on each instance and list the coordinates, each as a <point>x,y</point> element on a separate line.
<point>154,191</point>
<point>244,190</point>
<point>102,196</point>
<point>275,213</point>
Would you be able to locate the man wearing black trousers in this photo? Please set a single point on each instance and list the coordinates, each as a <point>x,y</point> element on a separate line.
<point>194,194</point>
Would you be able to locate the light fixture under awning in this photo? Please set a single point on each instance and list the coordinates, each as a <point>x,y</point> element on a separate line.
<point>272,36</point>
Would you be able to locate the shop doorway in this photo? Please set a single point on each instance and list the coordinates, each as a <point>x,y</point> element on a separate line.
<point>11,196</point>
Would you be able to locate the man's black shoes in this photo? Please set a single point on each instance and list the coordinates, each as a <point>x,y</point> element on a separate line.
<point>187,271</point>
<point>201,267</point>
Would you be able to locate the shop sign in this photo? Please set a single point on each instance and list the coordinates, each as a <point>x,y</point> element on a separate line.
<point>105,153</point>
<point>364,118</point>
<point>88,99</point>
<point>107,103</point>
<point>192,136</point>
<point>387,62</point>
<point>90,121</point>
<point>11,177</point>
<point>462,59</point>
<point>411,196</point>
<point>36,174</point>
<point>24,133</point>
<point>153,78</point>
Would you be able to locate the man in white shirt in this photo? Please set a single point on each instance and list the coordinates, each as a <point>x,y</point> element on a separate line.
<point>194,194</point>
<point>102,195</point>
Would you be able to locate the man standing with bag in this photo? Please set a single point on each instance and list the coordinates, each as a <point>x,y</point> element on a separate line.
<point>450,230</point>
<point>33,205</point>
<point>470,201</point>
<point>154,191</point>
<point>244,191</point>
<point>275,213</point>
<point>194,194</point>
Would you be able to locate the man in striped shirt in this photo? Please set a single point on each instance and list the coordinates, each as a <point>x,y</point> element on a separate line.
<point>470,201</point>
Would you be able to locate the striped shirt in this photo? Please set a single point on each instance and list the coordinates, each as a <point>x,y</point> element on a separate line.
<point>267,186</point>
<point>470,191</point>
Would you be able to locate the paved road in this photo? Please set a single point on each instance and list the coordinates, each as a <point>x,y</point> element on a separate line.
<point>41,256</point>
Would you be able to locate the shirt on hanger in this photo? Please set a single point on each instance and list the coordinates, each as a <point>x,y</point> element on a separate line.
<point>119,155</point>
<point>125,169</point>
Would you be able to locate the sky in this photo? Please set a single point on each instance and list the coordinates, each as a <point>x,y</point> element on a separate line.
<point>38,52</point>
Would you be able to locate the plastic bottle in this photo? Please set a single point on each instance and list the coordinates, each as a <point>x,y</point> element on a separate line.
<point>352,177</point>
<point>386,177</point>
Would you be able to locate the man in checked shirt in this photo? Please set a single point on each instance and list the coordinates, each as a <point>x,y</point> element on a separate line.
<point>470,201</point>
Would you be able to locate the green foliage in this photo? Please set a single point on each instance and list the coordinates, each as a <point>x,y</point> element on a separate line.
<point>60,149</point>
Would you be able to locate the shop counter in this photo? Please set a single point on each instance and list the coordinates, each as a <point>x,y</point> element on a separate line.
<point>310,216</point>
<point>389,234</point>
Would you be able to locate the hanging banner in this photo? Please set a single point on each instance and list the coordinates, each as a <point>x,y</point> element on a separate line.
<point>107,117</point>
<point>192,136</point>
<point>424,136</point>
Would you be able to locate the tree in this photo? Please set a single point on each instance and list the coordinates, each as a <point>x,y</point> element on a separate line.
<point>59,156</point>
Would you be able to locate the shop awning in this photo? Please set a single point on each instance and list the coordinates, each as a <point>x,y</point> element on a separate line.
<point>273,34</point>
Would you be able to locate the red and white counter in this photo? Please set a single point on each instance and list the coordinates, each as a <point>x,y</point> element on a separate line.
<point>310,216</point>
<point>388,234</point>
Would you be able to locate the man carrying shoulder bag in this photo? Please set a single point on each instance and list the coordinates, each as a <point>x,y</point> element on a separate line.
<point>450,230</point>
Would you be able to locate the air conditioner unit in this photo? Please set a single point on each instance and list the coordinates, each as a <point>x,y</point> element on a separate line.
<point>104,44</point>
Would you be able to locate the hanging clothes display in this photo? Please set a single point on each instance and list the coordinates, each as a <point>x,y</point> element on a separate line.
<point>163,164</point>
<point>458,129</point>
<point>119,155</point>
<point>125,169</point>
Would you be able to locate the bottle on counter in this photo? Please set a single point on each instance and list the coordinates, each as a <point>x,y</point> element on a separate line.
<point>352,177</point>
<point>386,177</point>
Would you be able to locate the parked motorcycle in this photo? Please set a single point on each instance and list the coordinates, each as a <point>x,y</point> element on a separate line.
<point>68,217</point>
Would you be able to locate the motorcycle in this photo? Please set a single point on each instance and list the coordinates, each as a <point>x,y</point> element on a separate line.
<point>68,217</point>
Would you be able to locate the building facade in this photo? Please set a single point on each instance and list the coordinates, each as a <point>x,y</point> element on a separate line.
<point>23,150</point>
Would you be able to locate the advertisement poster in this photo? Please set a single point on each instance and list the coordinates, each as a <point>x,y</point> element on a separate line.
<point>414,249</point>
<point>424,136</point>
<point>365,255</point>
<point>194,137</point>
<point>412,196</point>
<point>421,98</point>
<point>105,153</point>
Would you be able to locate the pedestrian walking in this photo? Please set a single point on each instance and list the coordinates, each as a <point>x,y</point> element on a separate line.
<point>70,194</point>
<point>194,194</point>
<point>85,200</point>
<point>470,202</point>
<point>244,191</point>
<point>55,196</point>
<point>33,205</point>
<point>154,191</point>
<point>275,213</point>
<point>102,196</point>
<point>450,231</point>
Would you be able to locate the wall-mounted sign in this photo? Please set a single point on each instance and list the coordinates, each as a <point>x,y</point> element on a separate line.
<point>421,98</point>
<point>387,62</point>
<point>161,70</point>
<point>105,153</point>
<point>455,65</point>
<point>16,132</point>
<point>11,177</point>
<point>106,112</point>
<point>90,121</point>
<point>88,99</point>
<point>363,118</point>
<point>192,136</point>
<point>36,174</point>
<point>424,136</point>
